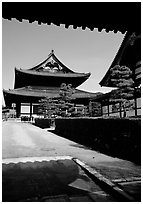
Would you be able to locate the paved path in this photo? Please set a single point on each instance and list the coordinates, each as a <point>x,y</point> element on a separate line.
<point>26,140</point>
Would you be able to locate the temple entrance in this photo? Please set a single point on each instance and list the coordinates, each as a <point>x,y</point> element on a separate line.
<point>25,109</point>
<point>29,110</point>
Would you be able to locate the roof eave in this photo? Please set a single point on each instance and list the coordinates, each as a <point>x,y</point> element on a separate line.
<point>25,71</point>
<point>116,60</point>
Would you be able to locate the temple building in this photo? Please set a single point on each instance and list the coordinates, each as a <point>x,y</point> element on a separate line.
<point>129,54</point>
<point>44,80</point>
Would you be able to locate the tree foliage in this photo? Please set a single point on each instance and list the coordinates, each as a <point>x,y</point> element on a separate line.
<point>66,91</point>
<point>94,109</point>
<point>58,106</point>
<point>122,78</point>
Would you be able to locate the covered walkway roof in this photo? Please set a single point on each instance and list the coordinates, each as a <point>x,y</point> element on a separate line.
<point>111,16</point>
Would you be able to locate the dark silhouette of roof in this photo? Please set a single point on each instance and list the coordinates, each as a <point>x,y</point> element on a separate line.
<point>51,62</point>
<point>111,16</point>
<point>129,54</point>
<point>50,72</point>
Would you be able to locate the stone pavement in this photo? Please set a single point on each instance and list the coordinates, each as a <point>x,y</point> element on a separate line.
<point>23,140</point>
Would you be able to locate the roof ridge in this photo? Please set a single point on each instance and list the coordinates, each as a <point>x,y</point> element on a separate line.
<point>65,68</point>
<point>42,61</point>
<point>62,65</point>
<point>52,54</point>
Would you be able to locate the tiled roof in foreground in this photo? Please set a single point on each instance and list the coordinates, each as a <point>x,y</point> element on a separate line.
<point>111,16</point>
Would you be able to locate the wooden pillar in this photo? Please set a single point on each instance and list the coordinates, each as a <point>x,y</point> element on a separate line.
<point>30,110</point>
<point>120,109</point>
<point>18,107</point>
<point>135,99</point>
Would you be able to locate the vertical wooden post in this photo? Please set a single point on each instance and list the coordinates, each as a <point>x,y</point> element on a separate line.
<point>30,110</point>
<point>135,99</point>
<point>120,109</point>
<point>18,107</point>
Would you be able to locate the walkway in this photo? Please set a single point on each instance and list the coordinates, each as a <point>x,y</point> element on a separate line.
<point>25,141</point>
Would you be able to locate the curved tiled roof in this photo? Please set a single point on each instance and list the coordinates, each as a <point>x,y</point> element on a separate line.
<point>54,74</point>
<point>51,92</point>
<point>50,72</point>
<point>52,66</point>
<point>52,57</point>
<point>124,56</point>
